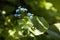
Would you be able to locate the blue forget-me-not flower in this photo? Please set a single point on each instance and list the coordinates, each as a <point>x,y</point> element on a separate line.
<point>23,9</point>
<point>17,15</point>
<point>17,10</point>
<point>29,14</point>
<point>31,17</point>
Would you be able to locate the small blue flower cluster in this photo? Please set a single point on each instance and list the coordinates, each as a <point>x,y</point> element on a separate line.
<point>30,15</point>
<point>20,9</point>
<point>17,14</point>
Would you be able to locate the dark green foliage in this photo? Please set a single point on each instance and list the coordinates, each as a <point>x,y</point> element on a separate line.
<point>43,22</point>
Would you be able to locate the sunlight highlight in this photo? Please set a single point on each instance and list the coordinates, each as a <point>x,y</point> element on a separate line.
<point>37,32</point>
<point>29,22</point>
<point>20,33</point>
<point>9,20</point>
<point>57,26</point>
<point>11,32</point>
<point>54,9</point>
<point>48,5</point>
<point>3,12</point>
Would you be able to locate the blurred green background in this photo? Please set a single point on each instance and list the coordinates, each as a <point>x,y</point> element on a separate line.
<point>45,24</point>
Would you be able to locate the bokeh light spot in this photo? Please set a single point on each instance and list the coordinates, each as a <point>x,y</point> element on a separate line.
<point>3,12</point>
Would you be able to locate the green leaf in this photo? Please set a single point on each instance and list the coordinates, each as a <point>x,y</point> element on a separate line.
<point>57,25</point>
<point>40,24</point>
<point>1,30</point>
